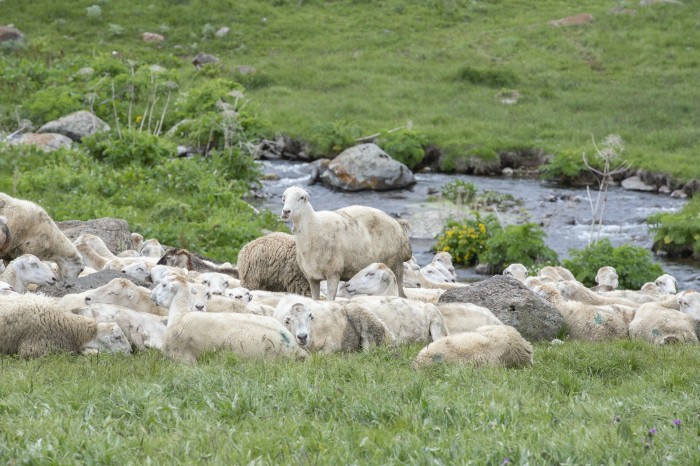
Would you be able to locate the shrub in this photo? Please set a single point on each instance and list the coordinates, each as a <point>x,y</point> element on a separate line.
<point>466,240</point>
<point>205,97</point>
<point>404,145</point>
<point>634,265</point>
<point>566,167</point>
<point>459,191</point>
<point>52,103</point>
<point>523,244</point>
<point>332,138</point>
<point>132,145</point>
<point>677,234</point>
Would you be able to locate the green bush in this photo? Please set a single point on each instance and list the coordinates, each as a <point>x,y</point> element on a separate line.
<point>52,103</point>
<point>522,244</point>
<point>466,240</point>
<point>566,167</point>
<point>205,97</point>
<point>634,265</point>
<point>459,191</point>
<point>487,77</point>
<point>677,234</point>
<point>404,145</point>
<point>136,146</point>
<point>331,138</point>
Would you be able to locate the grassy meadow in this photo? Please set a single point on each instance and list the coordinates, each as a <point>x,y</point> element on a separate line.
<point>581,403</point>
<point>326,70</point>
<point>439,67</point>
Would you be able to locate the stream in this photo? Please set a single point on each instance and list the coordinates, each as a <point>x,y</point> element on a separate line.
<point>564,213</point>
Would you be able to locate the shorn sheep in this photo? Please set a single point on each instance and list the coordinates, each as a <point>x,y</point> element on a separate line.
<point>335,245</point>
<point>490,345</point>
<point>190,334</point>
<point>32,326</point>
<point>27,269</point>
<point>124,292</point>
<point>270,263</point>
<point>331,327</point>
<point>32,231</point>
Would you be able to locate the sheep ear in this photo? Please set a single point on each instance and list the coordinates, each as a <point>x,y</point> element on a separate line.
<point>287,321</point>
<point>21,265</point>
<point>312,317</point>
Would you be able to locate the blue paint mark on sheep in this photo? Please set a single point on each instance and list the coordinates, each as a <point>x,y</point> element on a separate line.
<point>598,319</point>
<point>285,338</point>
<point>437,357</point>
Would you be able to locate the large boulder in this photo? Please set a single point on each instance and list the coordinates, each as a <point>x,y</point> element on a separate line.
<point>88,282</point>
<point>514,304</point>
<point>48,142</point>
<point>113,231</point>
<point>76,125</point>
<point>367,166</point>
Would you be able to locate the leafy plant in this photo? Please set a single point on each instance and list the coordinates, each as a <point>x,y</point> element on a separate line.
<point>523,244</point>
<point>331,138</point>
<point>634,264</point>
<point>466,240</point>
<point>404,145</point>
<point>131,146</point>
<point>677,234</point>
<point>566,167</point>
<point>459,191</point>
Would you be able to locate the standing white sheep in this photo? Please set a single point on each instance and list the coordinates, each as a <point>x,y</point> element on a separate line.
<point>34,232</point>
<point>335,245</point>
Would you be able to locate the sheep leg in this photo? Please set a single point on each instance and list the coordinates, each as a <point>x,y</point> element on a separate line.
<point>316,289</point>
<point>398,271</point>
<point>332,287</point>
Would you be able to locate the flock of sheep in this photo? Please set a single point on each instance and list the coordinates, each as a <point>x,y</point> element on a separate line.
<point>344,281</point>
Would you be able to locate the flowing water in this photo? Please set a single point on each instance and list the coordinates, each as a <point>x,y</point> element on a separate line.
<point>564,213</point>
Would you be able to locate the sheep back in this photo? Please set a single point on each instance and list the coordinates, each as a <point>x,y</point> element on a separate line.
<point>270,263</point>
<point>32,326</point>
<point>659,325</point>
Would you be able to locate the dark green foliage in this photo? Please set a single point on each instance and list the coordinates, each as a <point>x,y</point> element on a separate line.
<point>523,244</point>
<point>49,104</point>
<point>466,240</point>
<point>331,138</point>
<point>140,147</point>
<point>677,234</point>
<point>206,97</point>
<point>634,265</point>
<point>404,145</point>
<point>566,167</point>
<point>487,77</point>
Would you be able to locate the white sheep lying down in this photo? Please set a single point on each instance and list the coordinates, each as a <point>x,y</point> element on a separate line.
<point>124,292</point>
<point>25,270</point>
<point>661,326</point>
<point>411,321</point>
<point>466,317</point>
<point>190,334</point>
<point>335,245</point>
<point>332,326</point>
<point>493,345</point>
<point>141,329</point>
<point>379,280</point>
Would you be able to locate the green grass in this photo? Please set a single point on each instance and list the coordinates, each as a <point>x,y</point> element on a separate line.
<point>581,403</point>
<point>438,64</point>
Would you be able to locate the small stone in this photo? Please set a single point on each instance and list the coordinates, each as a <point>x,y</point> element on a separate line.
<point>152,37</point>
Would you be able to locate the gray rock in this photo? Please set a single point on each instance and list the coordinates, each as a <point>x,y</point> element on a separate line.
<point>9,32</point>
<point>204,58</point>
<point>89,282</point>
<point>48,142</point>
<point>113,231</point>
<point>76,125</point>
<point>367,166</point>
<point>635,183</point>
<point>513,304</point>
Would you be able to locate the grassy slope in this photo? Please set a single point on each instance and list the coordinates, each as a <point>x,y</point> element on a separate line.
<point>580,404</point>
<point>382,64</point>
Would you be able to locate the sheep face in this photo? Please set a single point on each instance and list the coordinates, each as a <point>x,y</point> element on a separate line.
<point>110,338</point>
<point>239,293</point>
<point>152,248</point>
<point>372,280</point>
<point>298,321</point>
<point>517,271</point>
<point>69,267</point>
<point>119,291</point>
<point>215,282</point>
<point>138,269</point>
<point>433,274</point>
<point>689,301</point>
<point>199,297</point>
<point>31,270</point>
<point>607,276</point>
<point>293,200</point>
<point>445,259</point>
<point>667,283</point>
<point>7,290</point>
<point>164,293</point>
<point>410,276</point>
